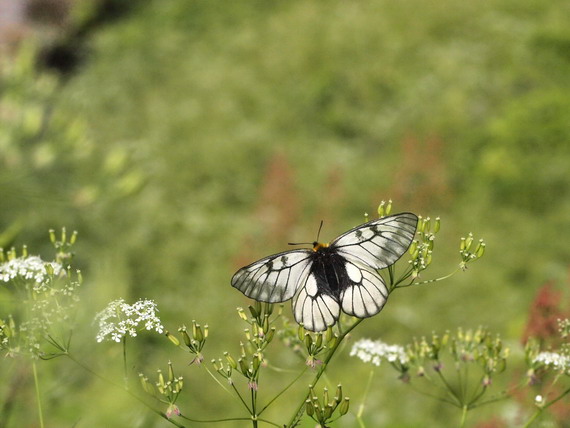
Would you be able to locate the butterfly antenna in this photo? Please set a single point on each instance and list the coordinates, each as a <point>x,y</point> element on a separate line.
<point>319,232</point>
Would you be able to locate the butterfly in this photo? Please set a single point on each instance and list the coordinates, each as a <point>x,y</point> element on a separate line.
<point>328,278</point>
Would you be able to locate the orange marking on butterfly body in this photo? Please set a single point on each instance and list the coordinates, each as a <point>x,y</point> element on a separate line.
<point>318,245</point>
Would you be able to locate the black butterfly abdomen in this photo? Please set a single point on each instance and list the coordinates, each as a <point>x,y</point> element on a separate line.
<point>329,270</point>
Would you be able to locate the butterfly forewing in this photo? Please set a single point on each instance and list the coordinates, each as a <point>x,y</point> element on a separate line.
<point>379,243</point>
<point>275,278</point>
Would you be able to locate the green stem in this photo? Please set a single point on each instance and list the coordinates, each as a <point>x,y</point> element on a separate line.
<point>365,395</point>
<point>464,410</point>
<point>118,386</point>
<point>126,372</point>
<point>299,412</point>
<point>242,400</point>
<point>38,396</point>
<point>546,406</point>
<point>208,421</point>
<point>283,391</point>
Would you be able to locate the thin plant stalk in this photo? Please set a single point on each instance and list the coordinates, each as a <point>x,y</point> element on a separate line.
<point>299,412</point>
<point>38,395</point>
<point>125,371</point>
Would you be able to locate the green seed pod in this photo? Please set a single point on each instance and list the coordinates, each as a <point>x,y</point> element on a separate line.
<point>63,235</point>
<point>309,408</point>
<point>480,249</point>
<point>381,209</point>
<point>52,236</point>
<point>243,366</point>
<point>256,361</point>
<point>328,411</point>
<point>319,342</point>
<point>170,372</point>
<point>73,237</point>
<point>389,207</point>
<point>325,395</point>
<point>270,335</point>
<point>308,341</point>
<point>231,361</point>
<point>199,337</point>
<point>161,379</point>
<point>436,225</point>
<point>242,313</point>
<point>338,397</point>
<point>413,247</point>
<point>266,323</point>
<point>344,406</point>
<point>318,412</point>
<point>253,311</point>
<point>301,332</point>
<point>268,308</point>
<point>185,337</point>
<point>205,332</point>
<point>258,307</point>
<point>172,338</point>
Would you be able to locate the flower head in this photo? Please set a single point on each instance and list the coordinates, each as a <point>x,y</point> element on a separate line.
<point>119,319</point>
<point>28,268</point>
<point>376,351</point>
<point>552,360</point>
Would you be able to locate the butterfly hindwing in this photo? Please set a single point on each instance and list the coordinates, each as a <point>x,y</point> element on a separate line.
<point>314,308</point>
<point>365,293</point>
<point>275,278</point>
<point>379,243</point>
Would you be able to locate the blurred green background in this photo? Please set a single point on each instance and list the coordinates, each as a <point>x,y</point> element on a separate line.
<point>183,139</point>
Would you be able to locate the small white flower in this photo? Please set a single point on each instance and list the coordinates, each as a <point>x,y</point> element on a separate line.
<point>539,400</point>
<point>376,351</point>
<point>119,319</point>
<point>553,360</point>
<point>28,268</point>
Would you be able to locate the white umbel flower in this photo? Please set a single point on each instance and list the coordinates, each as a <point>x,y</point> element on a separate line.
<point>28,268</point>
<point>119,319</point>
<point>374,351</point>
<point>553,360</point>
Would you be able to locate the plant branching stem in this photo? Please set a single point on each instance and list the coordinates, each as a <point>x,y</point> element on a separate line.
<point>209,421</point>
<point>298,413</point>
<point>464,410</point>
<point>283,390</point>
<point>118,386</point>
<point>38,395</point>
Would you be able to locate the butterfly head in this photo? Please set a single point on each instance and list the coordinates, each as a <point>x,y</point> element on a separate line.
<point>319,246</point>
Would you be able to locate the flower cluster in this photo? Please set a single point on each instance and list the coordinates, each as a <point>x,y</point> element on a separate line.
<point>29,268</point>
<point>45,298</point>
<point>166,390</point>
<point>552,360</point>
<point>119,319</point>
<point>323,411</point>
<point>374,351</point>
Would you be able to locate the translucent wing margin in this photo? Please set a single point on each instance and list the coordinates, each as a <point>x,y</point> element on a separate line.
<point>314,309</point>
<point>275,278</point>
<point>378,243</point>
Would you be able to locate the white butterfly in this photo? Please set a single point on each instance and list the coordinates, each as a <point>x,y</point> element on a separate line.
<point>330,277</point>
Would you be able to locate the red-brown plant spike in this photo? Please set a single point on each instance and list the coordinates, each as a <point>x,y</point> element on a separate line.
<point>544,313</point>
